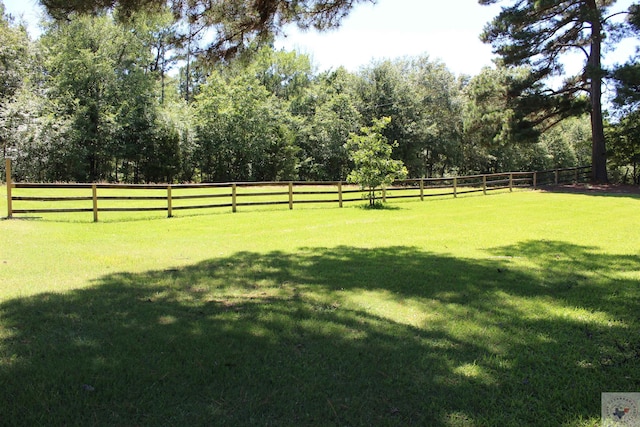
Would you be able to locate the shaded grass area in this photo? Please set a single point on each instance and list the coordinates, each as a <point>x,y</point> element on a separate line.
<point>507,310</point>
<point>345,335</point>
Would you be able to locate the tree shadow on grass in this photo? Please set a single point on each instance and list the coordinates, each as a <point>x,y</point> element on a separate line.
<point>602,190</point>
<point>330,336</point>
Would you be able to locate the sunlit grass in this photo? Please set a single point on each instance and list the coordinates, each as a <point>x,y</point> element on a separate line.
<point>509,309</point>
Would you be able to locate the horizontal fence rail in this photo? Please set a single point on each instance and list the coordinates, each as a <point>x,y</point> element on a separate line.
<point>103,197</point>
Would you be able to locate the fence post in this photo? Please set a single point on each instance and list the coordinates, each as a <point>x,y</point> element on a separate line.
<point>340,193</point>
<point>510,182</point>
<point>535,180</point>
<point>422,189</point>
<point>169,202</point>
<point>555,172</point>
<point>455,186</point>
<point>576,175</point>
<point>233,197</point>
<point>484,184</point>
<point>94,191</point>
<point>7,169</point>
<point>290,195</point>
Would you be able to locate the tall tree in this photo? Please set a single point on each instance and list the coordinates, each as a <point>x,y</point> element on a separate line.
<point>234,23</point>
<point>157,32</point>
<point>242,131</point>
<point>625,146</point>
<point>14,61</point>
<point>13,51</point>
<point>284,74</point>
<point>536,33</point>
<point>98,72</point>
<point>326,115</point>
<point>492,140</point>
<point>421,96</point>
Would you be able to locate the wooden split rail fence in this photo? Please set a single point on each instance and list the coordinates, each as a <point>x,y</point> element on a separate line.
<point>102,197</point>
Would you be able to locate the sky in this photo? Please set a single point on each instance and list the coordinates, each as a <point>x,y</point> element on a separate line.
<point>445,30</point>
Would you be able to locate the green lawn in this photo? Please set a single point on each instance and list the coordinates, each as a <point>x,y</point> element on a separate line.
<point>503,310</point>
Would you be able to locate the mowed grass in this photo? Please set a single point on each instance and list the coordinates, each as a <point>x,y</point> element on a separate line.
<point>506,310</point>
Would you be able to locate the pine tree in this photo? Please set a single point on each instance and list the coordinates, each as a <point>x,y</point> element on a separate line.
<point>536,33</point>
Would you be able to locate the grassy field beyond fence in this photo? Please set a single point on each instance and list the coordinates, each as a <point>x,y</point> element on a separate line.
<point>518,309</point>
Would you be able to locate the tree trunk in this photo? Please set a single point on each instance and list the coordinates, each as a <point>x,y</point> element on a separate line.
<point>188,69</point>
<point>594,74</point>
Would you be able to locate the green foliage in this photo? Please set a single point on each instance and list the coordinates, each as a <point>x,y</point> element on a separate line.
<point>94,106</point>
<point>624,134</point>
<point>625,147</point>
<point>371,154</point>
<point>489,119</point>
<point>284,74</point>
<point>16,57</point>
<point>568,144</point>
<point>242,131</point>
<point>94,71</point>
<point>627,82</point>
<point>325,115</point>
<point>424,100</point>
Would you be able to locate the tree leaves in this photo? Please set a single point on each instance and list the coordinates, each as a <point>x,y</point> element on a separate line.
<point>371,153</point>
<point>234,24</point>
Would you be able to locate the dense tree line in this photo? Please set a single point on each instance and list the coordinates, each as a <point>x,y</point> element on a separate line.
<point>107,98</point>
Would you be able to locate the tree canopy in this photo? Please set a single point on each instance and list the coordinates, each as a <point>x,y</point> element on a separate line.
<point>231,24</point>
